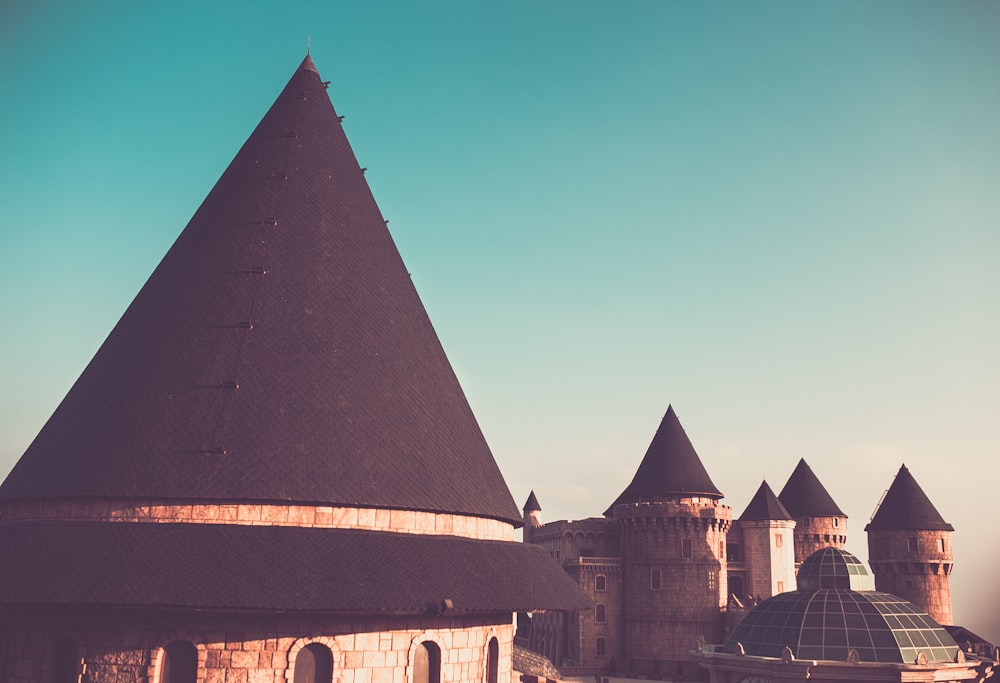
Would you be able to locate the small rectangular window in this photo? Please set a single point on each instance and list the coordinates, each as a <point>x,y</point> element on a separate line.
<point>941,545</point>
<point>781,586</point>
<point>601,615</point>
<point>686,549</point>
<point>712,578</point>
<point>602,648</point>
<point>777,540</point>
<point>655,579</point>
<point>722,550</point>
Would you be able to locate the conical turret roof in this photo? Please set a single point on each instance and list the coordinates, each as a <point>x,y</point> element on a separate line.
<point>531,505</point>
<point>906,506</point>
<point>764,506</point>
<point>279,352</point>
<point>805,496</point>
<point>670,468</point>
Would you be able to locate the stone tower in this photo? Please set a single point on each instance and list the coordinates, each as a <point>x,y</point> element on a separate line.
<point>272,411</point>
<point>819,522</point>
<point>767,530</point>
<point>672,533</point>
<point>909,548</point>
<point>532,512</point>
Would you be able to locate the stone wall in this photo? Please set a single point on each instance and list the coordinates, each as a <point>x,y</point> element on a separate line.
<point>128,648</point>
<point>916,565</point>
<point>318,516</point>
<point>815,533</point>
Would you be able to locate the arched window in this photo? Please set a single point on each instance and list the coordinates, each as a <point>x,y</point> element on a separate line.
<point>313,664</point>
<point>601,583</point>
<point>427,663</point>
<point>602,615</point>
<point>493,661</point>
<point>66,661</point>
<point>180,663</point>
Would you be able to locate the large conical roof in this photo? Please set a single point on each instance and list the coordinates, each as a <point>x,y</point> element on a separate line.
<point>670,468</point>
<point>764,506</point>
<point>805,496</point>
<point>906,506</point>
<point>279,352</point>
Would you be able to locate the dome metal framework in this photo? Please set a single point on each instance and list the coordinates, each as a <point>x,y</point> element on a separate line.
<point>835,616</point>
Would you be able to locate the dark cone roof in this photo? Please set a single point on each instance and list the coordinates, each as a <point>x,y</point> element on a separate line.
<point>671,467</point>
<point>906,506</point>
<point>805,496</point>
<point>531,505</point>
<point>279,352</point>
<point>764,506</point>
<point>265,568</point>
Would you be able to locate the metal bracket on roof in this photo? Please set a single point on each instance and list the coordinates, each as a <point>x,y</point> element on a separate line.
<point>326,84</point>
<point>276,176</point>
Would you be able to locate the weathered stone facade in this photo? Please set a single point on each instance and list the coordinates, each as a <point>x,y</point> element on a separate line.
<point>121,648</point>
<point>915,564</point>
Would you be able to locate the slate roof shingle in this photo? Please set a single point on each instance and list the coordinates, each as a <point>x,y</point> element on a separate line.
<point>258,568</point>
<point>670,467</point>
<point>906,506</point>
<point>279,353</point>
<point>764,506</point>
<point>804,495</point>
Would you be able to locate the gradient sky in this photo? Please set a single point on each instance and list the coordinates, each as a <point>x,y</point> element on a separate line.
<point>781,217</point>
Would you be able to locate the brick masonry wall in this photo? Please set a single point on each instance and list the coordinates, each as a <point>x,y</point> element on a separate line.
<point>913,565</point>
<point>129,648</point>
<point>814,533</point>
<point>320,516</point>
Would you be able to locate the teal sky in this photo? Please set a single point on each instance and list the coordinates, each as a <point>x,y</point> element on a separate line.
<point>781,217</point>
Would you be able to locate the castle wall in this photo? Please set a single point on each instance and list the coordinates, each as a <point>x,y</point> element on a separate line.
<point>769,556</point>
<point>814,533</point>
<point>674,578</point>
<point>316,516</point>
<point>916,565</point>
<point>128,648</point>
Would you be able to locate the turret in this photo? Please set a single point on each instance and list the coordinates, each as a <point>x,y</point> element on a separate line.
<point>532,516</point>
<point>909,548</point>
<point>819,521</point>
<point>673,536</point>
<point>767,530</point>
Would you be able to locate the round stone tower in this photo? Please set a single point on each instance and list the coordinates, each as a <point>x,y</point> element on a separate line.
<point>819,521</point>
<point>909,548</point>
<point>532,516</point>
<point>673,537</point>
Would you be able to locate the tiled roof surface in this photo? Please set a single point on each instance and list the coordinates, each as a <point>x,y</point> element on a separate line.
<point>805,496</point>
<point>764,506</point>
<point>221,567</point>
<point>531,505</point>
<point>906,506</point>
<point>670,467</point>
<point>279,352</point>
<point>534,664</point>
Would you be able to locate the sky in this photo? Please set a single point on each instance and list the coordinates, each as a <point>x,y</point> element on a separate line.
<point>782,218</point>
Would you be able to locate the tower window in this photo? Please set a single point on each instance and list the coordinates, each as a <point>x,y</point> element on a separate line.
<point>781,586</point>
<point>722,550</point>
<point>686,549</point>
<point>601,615</point>
<point>712,577</point>
<point>941,545</point>
<point>655,579</point>
<point>601,583</point>
<point>493,661</point>
<point>778,540</point>
<point>602,648</point>
<point>836,522</point>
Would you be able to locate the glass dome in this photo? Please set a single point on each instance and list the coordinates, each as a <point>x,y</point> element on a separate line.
<point>825,619</point>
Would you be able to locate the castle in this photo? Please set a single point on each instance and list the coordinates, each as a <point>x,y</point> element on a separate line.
<point>269,472</point>
<point>668,567</point>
